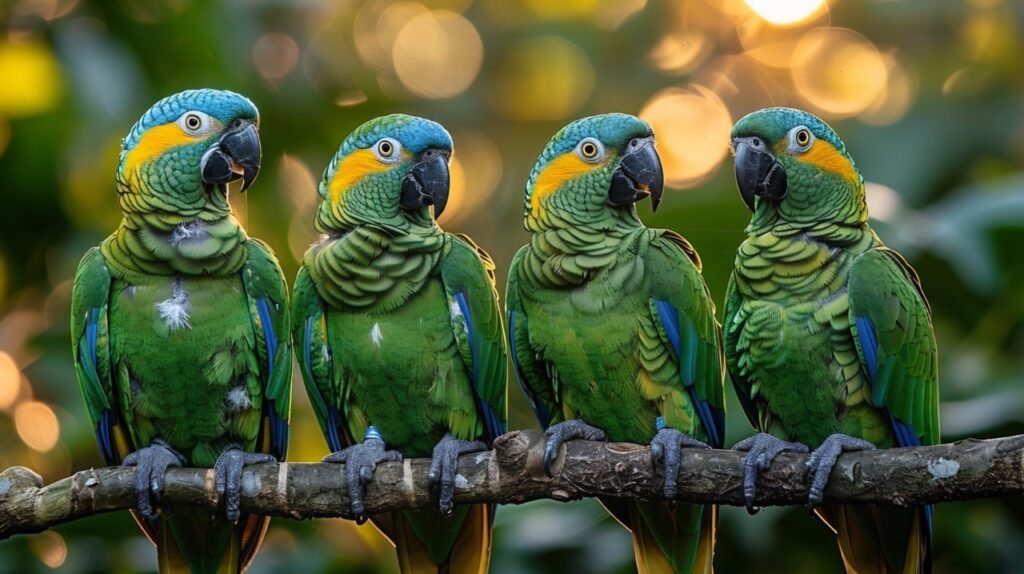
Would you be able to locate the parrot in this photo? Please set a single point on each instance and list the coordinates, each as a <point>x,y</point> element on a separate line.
<point>180,327</point>
<point>399,336</point>
<point>612,330</point>
<point>828,334</point>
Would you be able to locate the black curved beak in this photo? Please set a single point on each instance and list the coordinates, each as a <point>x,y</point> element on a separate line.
<point>427,182</point>
<point>758,172</point>
<point>639,174</point>
<point>236,155</point>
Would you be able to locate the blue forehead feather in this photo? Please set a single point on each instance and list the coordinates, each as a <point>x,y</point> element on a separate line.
<point>221,104</point>
<point>774,123</point>
<point>613,130</point>
<point>415,134</point>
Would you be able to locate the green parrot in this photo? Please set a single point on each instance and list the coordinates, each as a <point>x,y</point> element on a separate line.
<point>399,334</point>
<point>180,327</point>
<point>612,329</point>
<point>828,335</point>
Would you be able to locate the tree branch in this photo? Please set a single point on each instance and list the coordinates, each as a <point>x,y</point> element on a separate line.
<point>513,473</point>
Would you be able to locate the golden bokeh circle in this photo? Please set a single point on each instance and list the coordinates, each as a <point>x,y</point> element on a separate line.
<point>691,127</point>
<point>37,425</point>
<point>838,71</point>
<point>438,54</point>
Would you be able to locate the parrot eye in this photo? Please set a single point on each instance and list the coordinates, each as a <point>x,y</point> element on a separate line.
<point>195,123</point>
<point>590,150</point>
<point>800,139</point>
<point>387,150</point>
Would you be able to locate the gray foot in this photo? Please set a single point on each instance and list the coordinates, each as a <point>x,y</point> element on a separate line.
<point>824,457</point>
<point>360,461</point>
<point>761,449</point>
<point>227,472</point>
<point>443,464</point>
<point>666,448</point>
<point>151,465</point>
<point>569,430</point>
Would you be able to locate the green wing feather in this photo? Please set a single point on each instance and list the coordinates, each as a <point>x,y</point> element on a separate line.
<point>91,349</point>
<point>309,331</point>
<point>533,375</point>
<point>674,271</point>
<point>900,355</point>
<point>735,355</point>
<point>267,292</point>
<point>468,276</point>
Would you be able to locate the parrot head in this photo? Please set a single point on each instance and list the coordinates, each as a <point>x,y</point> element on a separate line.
<point>593,171</point>
<point>792,165</point>
<point>386,173</point>
<point>187,145</point>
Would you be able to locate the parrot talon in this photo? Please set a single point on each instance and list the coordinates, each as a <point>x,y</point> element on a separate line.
<point>824,458</point>
<point>569,430</point>
<point>360,461</point>
<point>151,464</point>
<point>443,465</point>
<point>227,473</point>
<point>666,447</point>
<point>761,450</point>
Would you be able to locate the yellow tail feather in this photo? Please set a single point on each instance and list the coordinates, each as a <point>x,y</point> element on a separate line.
<point>861,531</point>
<point>471,553</point>
<point>651,558</point>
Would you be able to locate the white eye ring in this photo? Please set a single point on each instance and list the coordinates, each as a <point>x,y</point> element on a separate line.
<point>800,139</point>
<point>387,150</point>
<point>590,150</point>
<point>195,122</point>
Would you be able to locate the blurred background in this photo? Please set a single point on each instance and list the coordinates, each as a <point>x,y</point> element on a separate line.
<point>928,95</point>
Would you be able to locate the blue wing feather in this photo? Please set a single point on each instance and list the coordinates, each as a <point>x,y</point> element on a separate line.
<point>278,425</point>
<point>712,418</point>
<point>492,424</point>
<point>906,436</point>
<point>539,409</point>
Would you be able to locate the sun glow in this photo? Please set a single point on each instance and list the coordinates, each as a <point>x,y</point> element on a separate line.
<point>785,12</point>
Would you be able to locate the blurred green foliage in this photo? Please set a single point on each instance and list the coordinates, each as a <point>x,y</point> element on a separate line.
<point>928,95</point>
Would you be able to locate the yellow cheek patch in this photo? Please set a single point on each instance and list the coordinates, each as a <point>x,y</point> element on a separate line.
<point>357,165</point>
<point>827,158</point>
<point>564,168</point>
<point>155,142</point>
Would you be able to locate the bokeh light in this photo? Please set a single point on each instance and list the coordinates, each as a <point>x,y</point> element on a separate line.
<point>438,54</point>
<point>883,201</point>
<point>39,83</point>
<point>838,71</point>
<point>541,79</point>
<point>896,99</point>
<point>476,171</point>
<point>45,9</point>
<point>10,381</point>
<point>376,26</point>
<point>37,425</point>
<point>680,52</point>
<point>786,12</point>
<point>691,127</point>
<point>275,55</point>
<point>50,548</point>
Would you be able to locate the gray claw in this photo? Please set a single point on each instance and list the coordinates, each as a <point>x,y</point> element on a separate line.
<point>824,457</point>
<point>667,447</point>
<point>360,461</point>
<point>569,430</point>
<point>762,449</point>
<point>227,472</point>
<point>444,463</point>
<point>151,464</point>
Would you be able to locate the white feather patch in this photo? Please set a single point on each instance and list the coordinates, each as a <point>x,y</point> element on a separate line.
<point>185,231</point>
<point>375,334</point>
<point>238,399</point>
<point>174,311</point>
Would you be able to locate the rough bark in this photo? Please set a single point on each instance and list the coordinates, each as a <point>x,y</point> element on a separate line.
<point>513,474</point>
